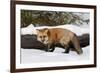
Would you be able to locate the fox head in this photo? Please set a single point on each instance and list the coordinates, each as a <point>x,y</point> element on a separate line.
<point>43,35</point>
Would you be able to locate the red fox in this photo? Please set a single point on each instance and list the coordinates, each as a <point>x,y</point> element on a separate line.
<point>53,36</point>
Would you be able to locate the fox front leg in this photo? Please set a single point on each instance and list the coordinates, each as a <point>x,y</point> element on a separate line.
<point>50,48</point>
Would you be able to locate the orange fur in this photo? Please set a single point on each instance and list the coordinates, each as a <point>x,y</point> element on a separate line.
<point>58,35</point>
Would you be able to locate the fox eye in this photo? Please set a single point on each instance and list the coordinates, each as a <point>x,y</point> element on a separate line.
<point>44,36</point>
<point>40,36</point>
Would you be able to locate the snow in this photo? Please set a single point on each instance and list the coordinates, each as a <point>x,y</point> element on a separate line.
<point>27,30</point>
<point>29,56</point>
<point>35,56</point>
<point>84,16</point>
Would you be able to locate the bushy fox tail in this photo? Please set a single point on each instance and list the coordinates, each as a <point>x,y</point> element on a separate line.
<point>76,43</point>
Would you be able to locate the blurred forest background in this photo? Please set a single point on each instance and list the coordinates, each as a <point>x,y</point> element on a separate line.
<point>53,18</point>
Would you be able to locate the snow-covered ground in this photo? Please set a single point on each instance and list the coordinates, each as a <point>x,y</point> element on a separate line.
<point>35,56</point>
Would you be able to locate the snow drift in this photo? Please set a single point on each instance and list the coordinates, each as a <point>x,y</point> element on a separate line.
<point>79,30</point>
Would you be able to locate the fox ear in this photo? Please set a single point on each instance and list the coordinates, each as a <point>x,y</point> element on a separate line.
<point>46,30</point>
<point>37,30</point>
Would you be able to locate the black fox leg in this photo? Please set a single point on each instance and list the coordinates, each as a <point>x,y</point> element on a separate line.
<point>79,51</point>
<point>48,48</point>
<point>52,48</point>
<point>67,49</point>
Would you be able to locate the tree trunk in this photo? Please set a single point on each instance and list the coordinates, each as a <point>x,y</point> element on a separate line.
<point>30,42</point>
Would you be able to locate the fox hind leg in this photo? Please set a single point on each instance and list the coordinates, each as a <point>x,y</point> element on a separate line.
<point>65,44</point>
<point>67,49</point>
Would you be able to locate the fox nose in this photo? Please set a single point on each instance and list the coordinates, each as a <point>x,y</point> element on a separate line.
<point>42,40</point>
